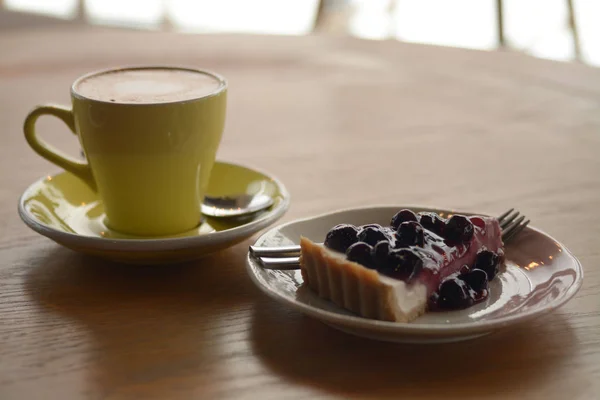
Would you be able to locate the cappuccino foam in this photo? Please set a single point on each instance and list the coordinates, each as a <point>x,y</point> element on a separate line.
<point>147,86</point>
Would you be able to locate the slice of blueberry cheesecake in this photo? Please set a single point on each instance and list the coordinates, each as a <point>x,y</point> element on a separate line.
<point>395,273</point>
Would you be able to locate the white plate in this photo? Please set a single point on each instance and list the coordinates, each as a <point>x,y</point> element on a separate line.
<point>541,275</point>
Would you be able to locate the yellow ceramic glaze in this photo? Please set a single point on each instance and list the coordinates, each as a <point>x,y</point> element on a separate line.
<point>65,209</point>
<point>149,162</point>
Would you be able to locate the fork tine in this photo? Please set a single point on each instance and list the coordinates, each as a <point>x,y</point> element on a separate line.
<point>281,251</point>
<point>288,263</point>
<point>500,218</point>
<point>515,232</point>
<point>514,228</point>
<point>510,226</point>
<point>504,224</point>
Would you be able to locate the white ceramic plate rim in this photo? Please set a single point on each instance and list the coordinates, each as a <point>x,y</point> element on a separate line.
<point>399,327</point>
<point>158,244</point>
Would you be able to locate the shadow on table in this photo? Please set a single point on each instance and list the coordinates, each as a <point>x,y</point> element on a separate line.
<point>511,362</point>
<point>145,323</point>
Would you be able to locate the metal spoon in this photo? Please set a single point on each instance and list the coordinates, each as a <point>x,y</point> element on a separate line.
<point>231,206</point>
<point>235,206</point>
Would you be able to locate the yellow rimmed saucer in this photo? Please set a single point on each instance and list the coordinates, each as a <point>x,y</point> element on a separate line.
<point>63,208</point>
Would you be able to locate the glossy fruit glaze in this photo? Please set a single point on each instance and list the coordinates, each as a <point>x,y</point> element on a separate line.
<point>454,258</point>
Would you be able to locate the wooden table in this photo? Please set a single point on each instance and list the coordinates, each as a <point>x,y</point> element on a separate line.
<point>343,123</point>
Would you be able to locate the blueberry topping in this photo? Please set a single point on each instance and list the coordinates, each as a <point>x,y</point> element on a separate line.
<point>340,237</point>
<point>431,237</point>
<point>453,294</point>
<point>376,226</point>
<point>458,229</point>
<point>381,252</point>
<point>433,222</point>
<point>438,249</point>
<point>389,232</point>
<point>487,261</point>
<point>476,279</point>
<point>360,253</point>
<point>402,264</point>
<point>403,216</point>
<point>410,233</point>
<point>394,252</point>
<point>372,235</point>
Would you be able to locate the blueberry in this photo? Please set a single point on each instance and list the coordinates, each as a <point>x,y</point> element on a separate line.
<point>340,237</point>
<point>476,279</point>
<point>372,235</point>
<point>453,294</point>
<point>487,261</point>
<point>402,264</point>
<point>403,216</point>
<point>360,253</point>
<point>433,222</point>
<point>458,229</point>
<point>381,252</point>
<point>412,262</point>
<point>410,234</point>
<point>376,226</point>
<point>433,300</point>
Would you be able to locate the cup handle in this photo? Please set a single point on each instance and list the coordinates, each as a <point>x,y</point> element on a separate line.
<point>79,169</point>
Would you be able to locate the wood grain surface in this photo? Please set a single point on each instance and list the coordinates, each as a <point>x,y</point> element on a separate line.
<point>342,122</point>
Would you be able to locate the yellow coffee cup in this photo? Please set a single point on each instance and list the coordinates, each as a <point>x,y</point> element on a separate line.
<point>150,136</point>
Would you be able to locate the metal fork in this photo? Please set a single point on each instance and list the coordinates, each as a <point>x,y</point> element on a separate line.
<point>288,257</point>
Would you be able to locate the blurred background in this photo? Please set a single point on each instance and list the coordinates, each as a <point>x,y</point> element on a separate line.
<point>563,30</point>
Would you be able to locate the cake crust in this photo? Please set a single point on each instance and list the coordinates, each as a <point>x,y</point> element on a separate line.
<point>352,286</point>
